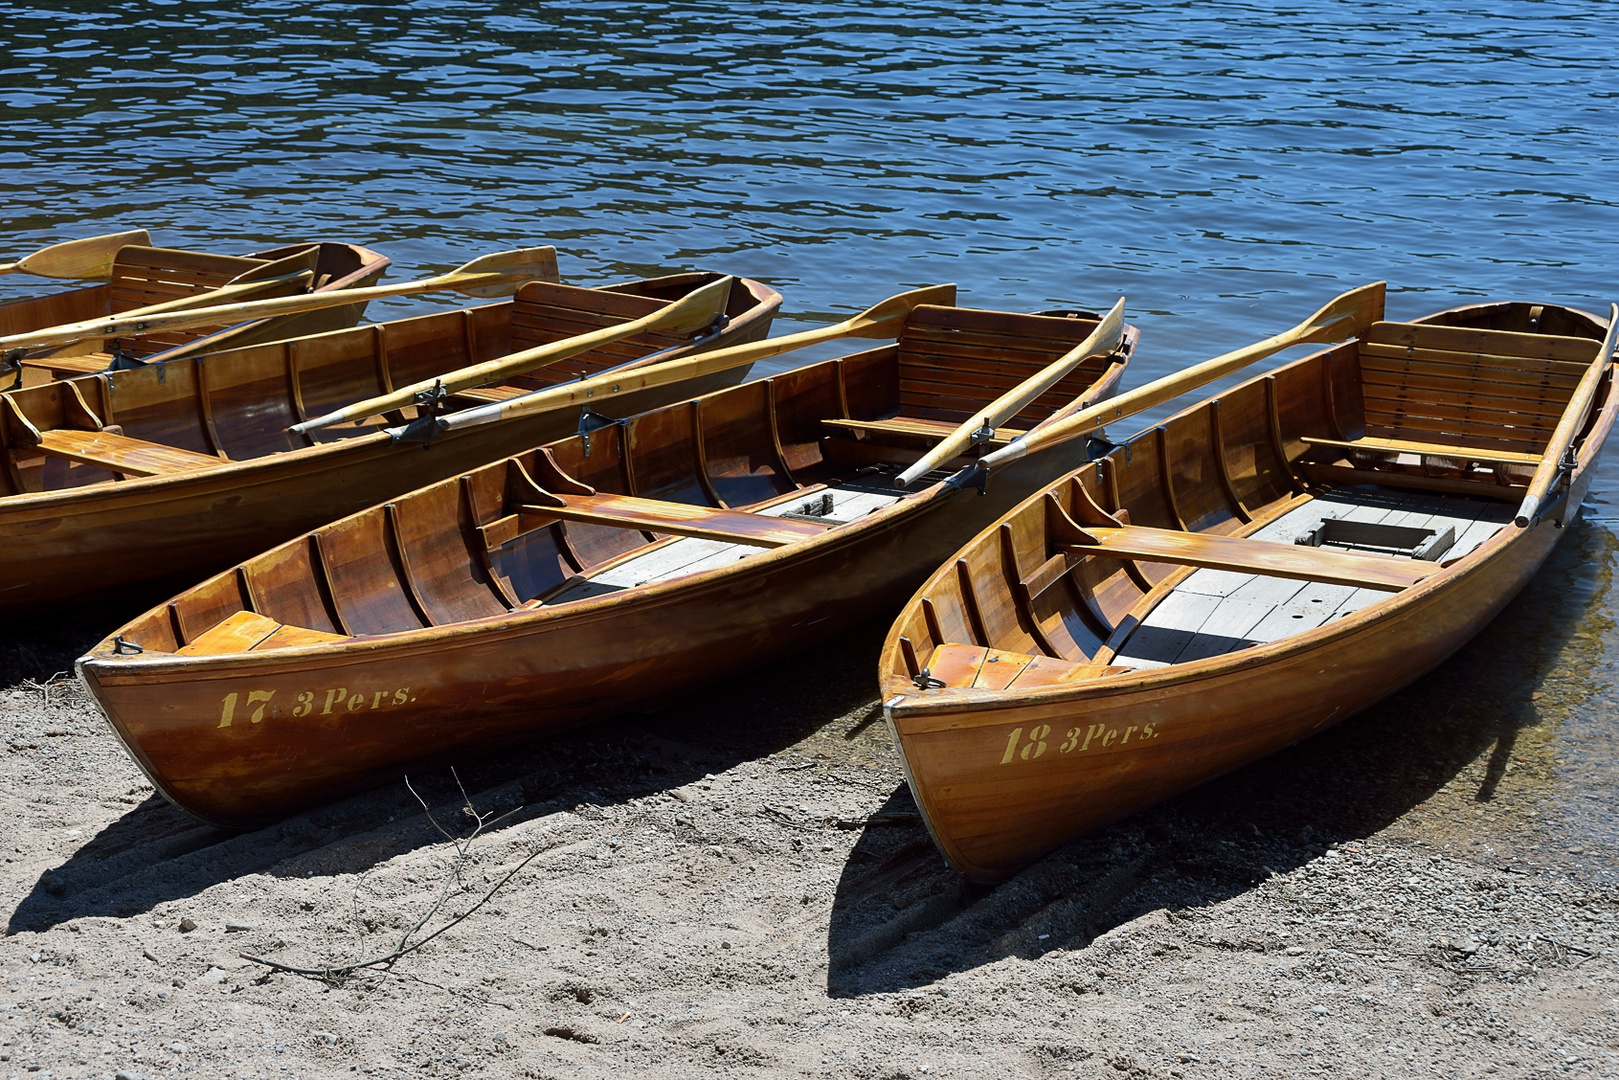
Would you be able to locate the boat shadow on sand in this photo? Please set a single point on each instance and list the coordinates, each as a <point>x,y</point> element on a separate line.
<point>902,919</point>
<point>155,853</point>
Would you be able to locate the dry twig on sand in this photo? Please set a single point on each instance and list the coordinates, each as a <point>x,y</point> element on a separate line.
<point>409,942</point>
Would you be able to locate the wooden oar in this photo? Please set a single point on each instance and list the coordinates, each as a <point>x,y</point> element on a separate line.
<point>695,311</point>
<point>1557,459</point>
<point>277,278</point>
<point>1347,316</point>
<point>886,319</point>
<point>499,274</point>
<point>88,258</point>
<point>1103,340</point>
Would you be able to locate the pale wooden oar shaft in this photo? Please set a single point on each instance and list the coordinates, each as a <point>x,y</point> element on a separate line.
<point>248,310</point>
<point>462,280</point>
<point>1562,438</point>
<point>886,319</point>
<point>1104,339</point>
<point>212,297</point>
<point>1346,317</point>
<point>693,311</point>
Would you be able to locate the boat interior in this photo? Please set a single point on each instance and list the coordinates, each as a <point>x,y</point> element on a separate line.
<point>144,276</point>
<point>1292,501</point>
<point>660,496</point>
<point>199,412</point>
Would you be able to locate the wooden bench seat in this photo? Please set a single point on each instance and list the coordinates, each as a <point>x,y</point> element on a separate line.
<point>246,631</point>
<point>63,367</point>
<point>121,454</point>
<point>1403,446</point>
<point>916,429</point>
<point>677,519</point>
<point>1264,557</point>
<point>975,667</point>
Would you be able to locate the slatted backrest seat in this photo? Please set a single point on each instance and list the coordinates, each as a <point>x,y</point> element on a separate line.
<point>954,361</point>
<point>1493,395</point>
<point>142,276</point>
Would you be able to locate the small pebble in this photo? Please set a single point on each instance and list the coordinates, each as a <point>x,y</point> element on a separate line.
<point>186,925</point>
<point>232,926</point>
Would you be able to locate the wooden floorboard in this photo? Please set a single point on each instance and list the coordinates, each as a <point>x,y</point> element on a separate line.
<point>692,555</point>
<point>1213,612</point>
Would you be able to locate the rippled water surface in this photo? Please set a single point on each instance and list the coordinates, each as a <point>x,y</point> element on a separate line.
<point>1226,166</point>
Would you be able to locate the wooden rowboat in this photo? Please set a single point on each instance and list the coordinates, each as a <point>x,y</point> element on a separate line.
<point>1260,566</point>
<point>577,580</point>
<point>142,276</point>
<point>186,466</point>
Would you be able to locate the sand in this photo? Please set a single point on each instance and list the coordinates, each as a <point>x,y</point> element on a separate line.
<point>739,885</point>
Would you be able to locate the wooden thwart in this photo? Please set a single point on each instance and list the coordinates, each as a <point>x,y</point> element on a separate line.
<point>678,519</point>
<point>121,454</point>
<point>246,631</point>
<point>1254,557</point>
<point>1402,446</point>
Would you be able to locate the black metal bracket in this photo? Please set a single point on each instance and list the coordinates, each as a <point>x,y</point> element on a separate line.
<point>982,435</point>
<point>123,361</point>
<point>1098,446</point>
<point>591,420</point>
<point>11,360</point>
<point>926,681</point>
<point>429,407</point>
<point>974,476</point>
<point>120,646</point>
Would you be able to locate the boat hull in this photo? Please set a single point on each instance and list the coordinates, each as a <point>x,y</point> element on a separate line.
<point>275,732</point>
<point>1126,708</point>
<point>73,541</point>
<point>1109,754</point>
<point>66,544</point>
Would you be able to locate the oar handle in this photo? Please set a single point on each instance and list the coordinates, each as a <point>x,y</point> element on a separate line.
<point>1557,458</point>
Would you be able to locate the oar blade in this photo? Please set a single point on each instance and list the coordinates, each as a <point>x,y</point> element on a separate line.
<point>879,319</point>
<point>1347,316</point>
<point>698,309</point>
<point>515,267</point>
<point>86,259</point>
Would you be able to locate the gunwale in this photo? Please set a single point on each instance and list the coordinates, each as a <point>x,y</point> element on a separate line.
<point>1510,555</point>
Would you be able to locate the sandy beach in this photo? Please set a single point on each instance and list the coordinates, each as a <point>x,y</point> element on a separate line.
<point>739,885</point>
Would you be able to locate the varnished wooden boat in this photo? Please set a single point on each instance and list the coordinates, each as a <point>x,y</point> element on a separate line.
<point>185,466</point>
<point>1260,566</point>
<point>143,276</point>
<point>575,581</point>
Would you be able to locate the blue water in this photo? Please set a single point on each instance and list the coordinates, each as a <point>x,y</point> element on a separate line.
<point>1226,166</point>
